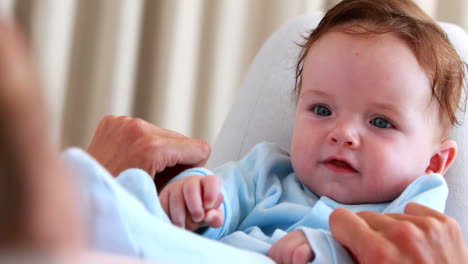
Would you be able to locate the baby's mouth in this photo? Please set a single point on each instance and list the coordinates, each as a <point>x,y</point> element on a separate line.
<point>339,166</point>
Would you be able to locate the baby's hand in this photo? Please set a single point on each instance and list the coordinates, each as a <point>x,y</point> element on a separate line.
<point>193,201</point>
<point>292,248</point>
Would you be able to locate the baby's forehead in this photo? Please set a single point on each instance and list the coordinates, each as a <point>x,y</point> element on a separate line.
<point>379,61</point>
<point>355,38</point>
<point>382,68</point>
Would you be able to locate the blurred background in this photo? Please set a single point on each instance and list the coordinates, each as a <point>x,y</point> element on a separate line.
<point>175,63</point>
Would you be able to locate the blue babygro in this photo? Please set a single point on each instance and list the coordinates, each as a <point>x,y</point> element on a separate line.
<point>264,201</point>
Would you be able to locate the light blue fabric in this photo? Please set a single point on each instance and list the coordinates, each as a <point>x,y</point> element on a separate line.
<point>264,200</point>
<point>124,217</point>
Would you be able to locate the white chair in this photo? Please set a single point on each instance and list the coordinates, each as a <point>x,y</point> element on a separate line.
<point>264,108</point>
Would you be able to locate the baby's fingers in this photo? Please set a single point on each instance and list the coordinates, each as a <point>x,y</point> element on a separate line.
<point>193,200</point>
<point>302,254</point>
<point>214,218</point>
<point>177,209</point>
<point>211,185</point>
<point>292,248</point>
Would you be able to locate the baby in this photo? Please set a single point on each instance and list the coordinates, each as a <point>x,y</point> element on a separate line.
<point>378,87</point>
<point>270,202</point>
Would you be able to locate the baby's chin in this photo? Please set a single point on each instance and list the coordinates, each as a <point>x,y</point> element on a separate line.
<point>353,198</point>
<point>357,192</point>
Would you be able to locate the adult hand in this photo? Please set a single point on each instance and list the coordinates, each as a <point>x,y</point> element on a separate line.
<point>123,142</point>
<point>420,235</point>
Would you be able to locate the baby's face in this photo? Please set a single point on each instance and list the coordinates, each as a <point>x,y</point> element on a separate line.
<point>364,125</point>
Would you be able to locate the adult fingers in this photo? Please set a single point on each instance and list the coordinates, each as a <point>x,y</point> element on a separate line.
<point>347,228</point>
<point>163,177</point>
<point>403,233</point>
<point>403,226</point>
<point>186,151</point>
<point>160,131</point>
<point>426,224</point>
<point>177,148</point>
<point>112,123</point>
<point>139,127</point>
<point>174,155</point>
<point>443,235</point>
<point>399,228</point>
<point>376,221</point>
<point>421,210</point>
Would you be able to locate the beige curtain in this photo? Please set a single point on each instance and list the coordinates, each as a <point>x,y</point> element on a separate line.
<point>175,63</point>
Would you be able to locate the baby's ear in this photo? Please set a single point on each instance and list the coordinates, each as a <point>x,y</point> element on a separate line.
<point>443,158</point>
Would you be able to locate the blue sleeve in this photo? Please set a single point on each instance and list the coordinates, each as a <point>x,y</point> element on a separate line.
<point>325,247</point>
<point>245,183</point>
<point>238,191</point>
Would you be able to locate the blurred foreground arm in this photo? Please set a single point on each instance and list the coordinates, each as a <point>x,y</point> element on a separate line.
<point>420,235</point>
<point>39,215</point>
<point>37,203</point>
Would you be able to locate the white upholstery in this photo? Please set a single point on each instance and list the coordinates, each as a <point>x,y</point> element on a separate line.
<point>263,110</point>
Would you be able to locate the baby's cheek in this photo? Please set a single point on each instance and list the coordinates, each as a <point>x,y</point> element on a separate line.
<point>386,160</point>
<point>388,187</point>
<point>304,172</point>
<point>298,159</point>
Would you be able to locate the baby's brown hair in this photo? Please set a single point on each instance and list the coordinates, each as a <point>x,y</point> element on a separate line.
<point>429,42</point>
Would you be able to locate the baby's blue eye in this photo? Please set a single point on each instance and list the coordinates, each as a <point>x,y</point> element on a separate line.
<point>381,123</point>
<point>321,110</point>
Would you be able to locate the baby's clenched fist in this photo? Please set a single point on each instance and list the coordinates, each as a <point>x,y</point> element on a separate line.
<point>193,201</point>
<point>293,248</point>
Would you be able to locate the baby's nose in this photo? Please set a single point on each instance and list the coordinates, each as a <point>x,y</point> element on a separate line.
<point>344,136</point>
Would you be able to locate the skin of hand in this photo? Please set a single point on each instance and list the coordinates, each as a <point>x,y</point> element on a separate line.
<point>420,235</point>
<point>122,142</point>
<point>193,201</point>
<point>292,248</point>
